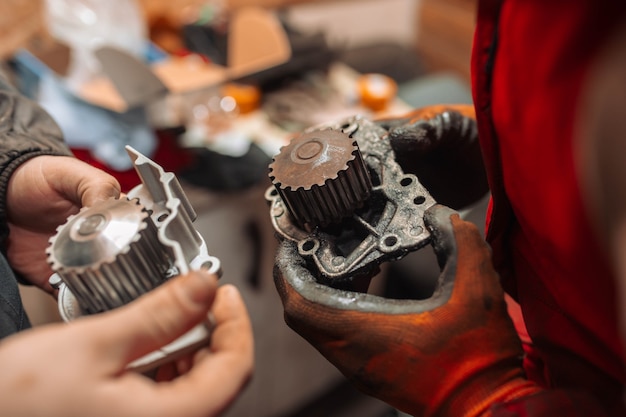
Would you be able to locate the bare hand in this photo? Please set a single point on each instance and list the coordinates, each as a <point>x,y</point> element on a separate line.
<point>79,369</point>
<point>41,194</point>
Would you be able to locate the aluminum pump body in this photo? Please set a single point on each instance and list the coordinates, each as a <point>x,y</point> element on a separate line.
<point>109,254</point>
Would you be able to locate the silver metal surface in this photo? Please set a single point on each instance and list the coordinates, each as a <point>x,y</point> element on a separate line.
<point>109,254</point>
<point>162,195</point>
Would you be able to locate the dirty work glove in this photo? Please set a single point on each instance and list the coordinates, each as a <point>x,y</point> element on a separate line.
<point>439,144</point>
<point>453,354</point>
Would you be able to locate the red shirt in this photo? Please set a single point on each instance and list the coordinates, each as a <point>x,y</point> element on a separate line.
<point>529,66</point>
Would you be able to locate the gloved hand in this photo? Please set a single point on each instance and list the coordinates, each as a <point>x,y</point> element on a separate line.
<point>453,354</point>
<point>439,144</point>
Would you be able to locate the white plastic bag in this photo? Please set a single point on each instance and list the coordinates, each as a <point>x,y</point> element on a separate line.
<point>86,25</point>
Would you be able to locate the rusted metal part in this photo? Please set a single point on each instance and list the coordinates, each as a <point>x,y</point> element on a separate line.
<point>385,227</point>
<point>321,177</point>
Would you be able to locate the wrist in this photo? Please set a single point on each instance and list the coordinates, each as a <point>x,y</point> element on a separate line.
<point>475,397</point>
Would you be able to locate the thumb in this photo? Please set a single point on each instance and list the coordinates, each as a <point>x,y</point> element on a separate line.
<point>76,181</point>
<point>156,318</point>
<point>437,220</point>
<point>95,185</point>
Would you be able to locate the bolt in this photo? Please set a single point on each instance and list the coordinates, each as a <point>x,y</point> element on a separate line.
<point>309,150</point>
<point>91,224</point>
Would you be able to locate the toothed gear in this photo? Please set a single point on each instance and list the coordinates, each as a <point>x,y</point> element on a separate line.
<point>109,254</point>
<point>321,177</point>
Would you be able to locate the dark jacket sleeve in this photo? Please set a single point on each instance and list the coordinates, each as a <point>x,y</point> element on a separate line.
<point>26,131</point>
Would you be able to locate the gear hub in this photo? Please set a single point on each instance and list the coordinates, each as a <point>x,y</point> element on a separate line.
<point>109,254</point>
<point>321,177</point>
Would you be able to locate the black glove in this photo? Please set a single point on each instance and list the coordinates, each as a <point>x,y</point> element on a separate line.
<point>439,144</point>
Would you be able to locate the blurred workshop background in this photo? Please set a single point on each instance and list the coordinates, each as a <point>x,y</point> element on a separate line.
<point>210,90</point>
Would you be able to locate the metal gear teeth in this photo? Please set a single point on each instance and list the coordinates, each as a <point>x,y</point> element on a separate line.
<point>321,177</point>
<point>57,265</point>
<point>103,281</point>
<point>341,163</point>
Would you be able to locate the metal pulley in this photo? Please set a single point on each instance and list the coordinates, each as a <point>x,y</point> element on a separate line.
<point>108,255</point>
<point>321,177</point>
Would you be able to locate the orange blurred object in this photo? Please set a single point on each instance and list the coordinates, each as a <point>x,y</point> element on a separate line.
<point>247,96</point>
<point>20,22</point>
<point>376,91</point>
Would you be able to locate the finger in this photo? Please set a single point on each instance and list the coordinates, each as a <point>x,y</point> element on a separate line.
<point>464,254</point>
<point>301,294</point>
<point>155,319</point>
<point>392,122</point>
<point>422,129</point>
<point>437,220</point>
<point>230,362</point>
<point>231,319</point>
<point>217,377</point>
<point>24,251</point>
<point>449,232</point>
<point>430,112</point>
<point>97,186</point>
<point>82,183</point>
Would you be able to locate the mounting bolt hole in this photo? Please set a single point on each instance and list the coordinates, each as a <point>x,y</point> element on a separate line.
<point>271,193</point>
<point>390,241</point>
<point>162,217</point>
<point>207,265</point>
<point>349,128</point>
<point>406,181</point>
<point>419,200</point>
<point>308,247</point>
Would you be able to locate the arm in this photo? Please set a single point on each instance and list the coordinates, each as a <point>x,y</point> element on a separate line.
<point>26,131</point>
<point>600,150</point>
